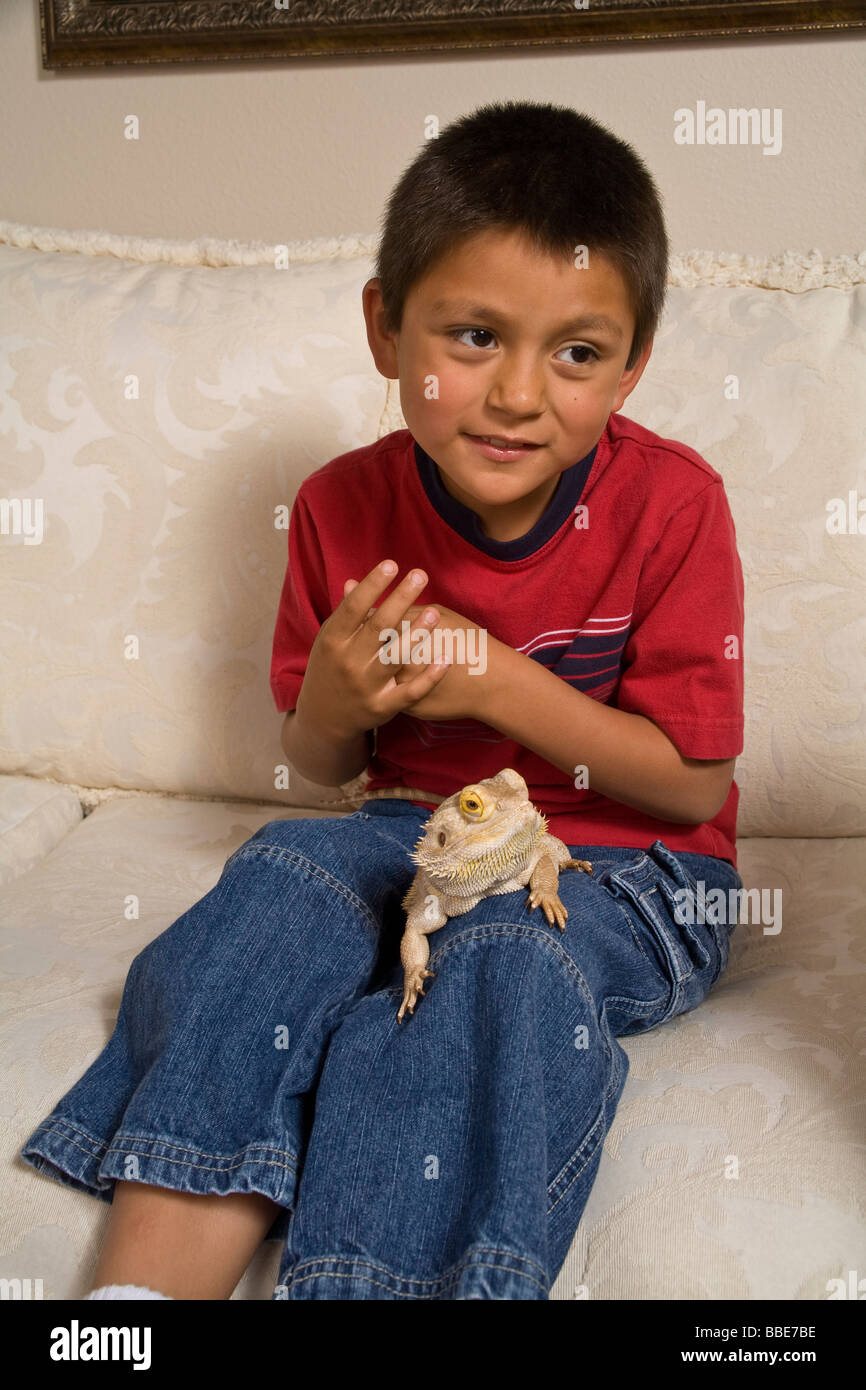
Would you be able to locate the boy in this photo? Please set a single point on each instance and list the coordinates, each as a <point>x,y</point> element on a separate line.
<point>595,567</point>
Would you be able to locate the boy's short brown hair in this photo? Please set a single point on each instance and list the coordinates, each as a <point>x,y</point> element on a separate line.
<point>556,174</point>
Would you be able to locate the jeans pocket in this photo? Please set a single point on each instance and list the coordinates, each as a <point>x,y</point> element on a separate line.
<point>706,904</point>
<point>691,935</point>
<point>664,893</point>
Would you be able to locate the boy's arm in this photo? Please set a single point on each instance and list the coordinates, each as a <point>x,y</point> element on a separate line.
<point>321,758</point>
<point>628,757</point>
<point>683,654</point>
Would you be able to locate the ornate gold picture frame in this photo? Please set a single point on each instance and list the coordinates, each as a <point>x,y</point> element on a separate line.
<point>86,33</point>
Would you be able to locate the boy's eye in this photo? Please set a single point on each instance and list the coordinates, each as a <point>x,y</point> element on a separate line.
<point>460,333</point>
<point>582,347</point>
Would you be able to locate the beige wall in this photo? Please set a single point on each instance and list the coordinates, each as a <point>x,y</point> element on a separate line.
<point>303,148</point>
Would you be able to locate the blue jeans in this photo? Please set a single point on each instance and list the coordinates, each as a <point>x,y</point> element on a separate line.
<point>257,1049</point>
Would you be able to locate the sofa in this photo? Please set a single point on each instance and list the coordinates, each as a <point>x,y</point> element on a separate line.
<point>160,402</point>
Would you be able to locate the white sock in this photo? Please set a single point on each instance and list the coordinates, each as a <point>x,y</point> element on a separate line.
<point>125,1291</point>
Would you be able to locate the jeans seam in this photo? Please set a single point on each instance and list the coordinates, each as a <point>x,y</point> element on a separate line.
<point>506,929</point>
<point>599,1120</point>
<point>416,1279</point>
<point>511,929</point>
<point>205,1167</point>
<point>449,1277</point>
<point>377,1283</point>
<point>100,1149</point>
<point>309,866</point>
<point>641,1006</point>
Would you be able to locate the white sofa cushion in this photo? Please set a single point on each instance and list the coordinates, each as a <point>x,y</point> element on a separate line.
<point>159,511</point>
<point>34,817</point>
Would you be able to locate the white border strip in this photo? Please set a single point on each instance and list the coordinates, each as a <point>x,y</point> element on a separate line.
<point>788,270</point>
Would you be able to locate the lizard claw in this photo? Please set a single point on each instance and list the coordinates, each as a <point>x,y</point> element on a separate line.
<point>552,906</point>
<point>412,988</point>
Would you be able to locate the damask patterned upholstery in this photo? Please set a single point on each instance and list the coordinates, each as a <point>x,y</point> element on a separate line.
<point>163,401</point>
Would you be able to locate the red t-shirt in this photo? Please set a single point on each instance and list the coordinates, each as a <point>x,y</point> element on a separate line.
<point>636,600</point>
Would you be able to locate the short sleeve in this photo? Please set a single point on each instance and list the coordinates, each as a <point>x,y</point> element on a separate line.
<point>683,661</point>
<point>304,606</point>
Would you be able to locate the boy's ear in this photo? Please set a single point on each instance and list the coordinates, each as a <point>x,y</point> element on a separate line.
<point>629,380</point>
<point>382,344</point>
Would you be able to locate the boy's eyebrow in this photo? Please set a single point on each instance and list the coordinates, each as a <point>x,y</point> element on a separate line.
<point>599,323</point>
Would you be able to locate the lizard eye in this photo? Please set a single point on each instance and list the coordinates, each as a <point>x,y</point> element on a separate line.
<point>471,805</point>
<point>441,837</point>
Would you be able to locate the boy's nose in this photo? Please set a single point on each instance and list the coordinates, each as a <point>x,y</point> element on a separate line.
<point>518,386</point>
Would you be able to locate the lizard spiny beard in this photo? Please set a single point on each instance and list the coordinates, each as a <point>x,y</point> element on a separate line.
<point>478,873</point>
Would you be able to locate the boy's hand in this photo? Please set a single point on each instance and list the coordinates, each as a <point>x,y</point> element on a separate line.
<point>347,689</point>
<point>457,695</point>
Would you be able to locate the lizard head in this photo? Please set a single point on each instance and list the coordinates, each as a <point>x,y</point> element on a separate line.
<point>482,834</point>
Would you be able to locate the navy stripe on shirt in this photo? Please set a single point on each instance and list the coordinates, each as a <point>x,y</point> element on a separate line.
<point>466,523</point>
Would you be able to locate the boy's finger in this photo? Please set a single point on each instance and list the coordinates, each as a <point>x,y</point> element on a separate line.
<point>420,686</point>
<point>348,615</point>
<point>400,603</point>
<point>351,584</point>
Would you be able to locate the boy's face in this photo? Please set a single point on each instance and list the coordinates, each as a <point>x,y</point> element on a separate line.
<point>496,341</point>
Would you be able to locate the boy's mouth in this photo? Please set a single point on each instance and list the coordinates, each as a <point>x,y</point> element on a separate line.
<point>501,447</point>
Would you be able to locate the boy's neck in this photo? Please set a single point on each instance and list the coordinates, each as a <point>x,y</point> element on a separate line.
<point>515,519</point>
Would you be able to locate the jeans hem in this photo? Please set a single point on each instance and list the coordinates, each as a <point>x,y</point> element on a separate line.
<point>72,1156</point>
<point>486,1272</point>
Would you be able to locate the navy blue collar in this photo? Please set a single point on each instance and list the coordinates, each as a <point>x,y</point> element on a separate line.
<point>467,524</point>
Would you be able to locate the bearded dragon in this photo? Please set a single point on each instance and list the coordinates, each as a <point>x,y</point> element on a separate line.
<point>486,839</point>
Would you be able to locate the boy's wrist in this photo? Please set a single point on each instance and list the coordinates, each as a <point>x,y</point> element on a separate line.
<point>494,688</point>
<point>323,724</point>
<point>328,757</point>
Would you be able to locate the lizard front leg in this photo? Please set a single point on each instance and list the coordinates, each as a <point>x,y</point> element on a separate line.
<point>544,885</point>
<point>424,914</point>
<point>414,953</point>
